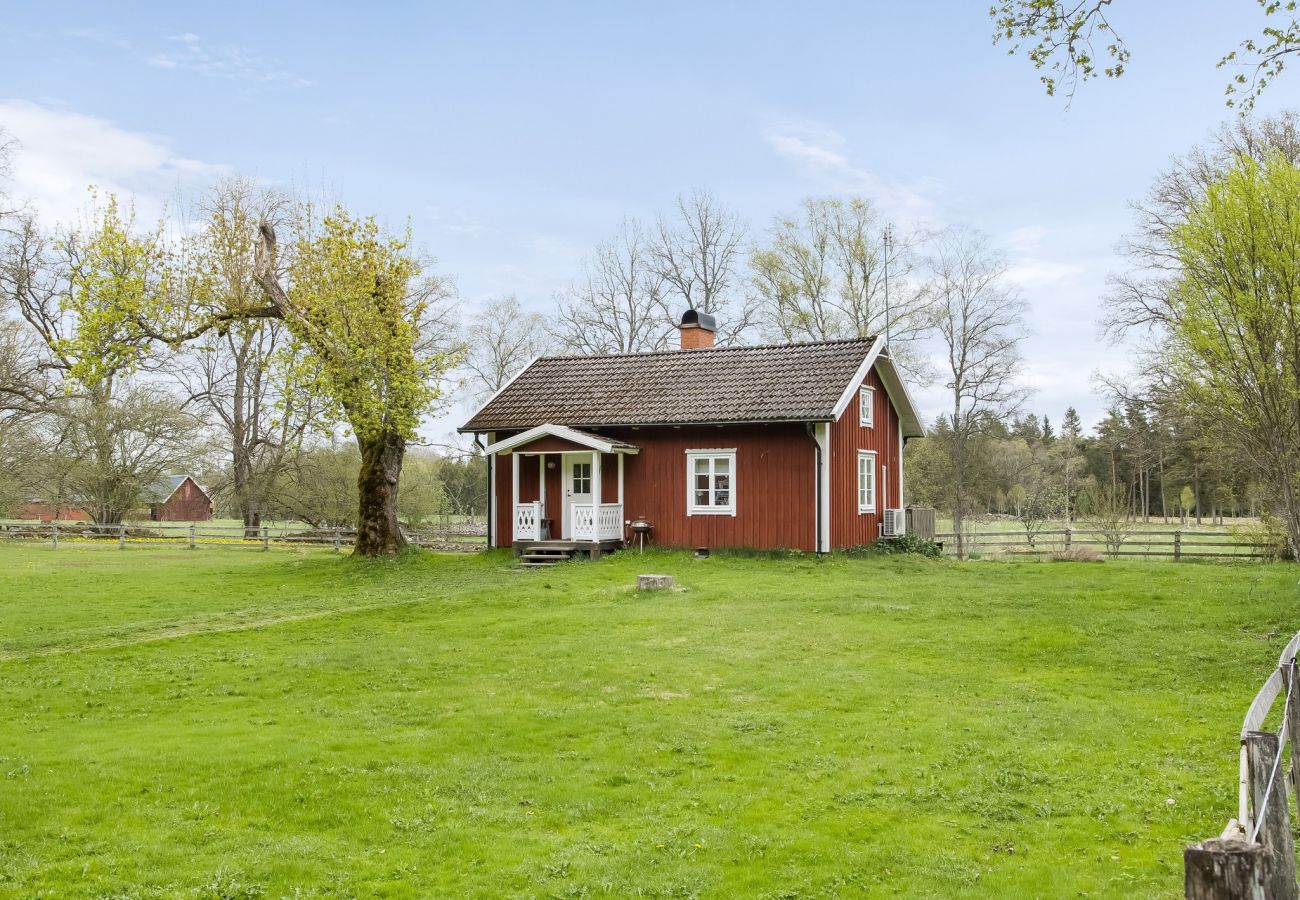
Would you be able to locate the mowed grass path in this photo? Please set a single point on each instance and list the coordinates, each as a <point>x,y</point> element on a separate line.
<point>228,723</point>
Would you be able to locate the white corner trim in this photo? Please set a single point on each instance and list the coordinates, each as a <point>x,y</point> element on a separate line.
<point>560,431</point>
<point>822,435</point>
<point>856,381</point>
<point>902,499</point>
<point>492,494</point>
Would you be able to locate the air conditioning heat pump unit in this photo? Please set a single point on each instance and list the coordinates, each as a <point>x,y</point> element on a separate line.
<point>894,523</point>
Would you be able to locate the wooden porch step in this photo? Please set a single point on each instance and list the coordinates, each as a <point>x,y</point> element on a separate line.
<point>537,557</point>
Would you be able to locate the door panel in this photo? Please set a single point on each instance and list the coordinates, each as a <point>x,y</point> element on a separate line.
<point>577,486</point>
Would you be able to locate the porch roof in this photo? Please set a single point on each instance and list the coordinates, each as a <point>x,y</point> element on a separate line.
<point>572,435</point>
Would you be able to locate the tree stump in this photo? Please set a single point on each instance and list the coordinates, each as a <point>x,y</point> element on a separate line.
<point>653,582</point>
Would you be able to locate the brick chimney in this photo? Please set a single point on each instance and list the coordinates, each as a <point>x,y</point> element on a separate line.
<point>697,330</point>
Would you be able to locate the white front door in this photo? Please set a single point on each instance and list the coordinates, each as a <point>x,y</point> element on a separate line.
<point>577,486</point>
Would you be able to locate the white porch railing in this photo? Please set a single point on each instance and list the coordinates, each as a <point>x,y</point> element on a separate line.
<point>587,526</point>
<point>528,521</point>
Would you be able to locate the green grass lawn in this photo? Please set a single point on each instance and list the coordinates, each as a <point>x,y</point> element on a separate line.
<point>229,723</point>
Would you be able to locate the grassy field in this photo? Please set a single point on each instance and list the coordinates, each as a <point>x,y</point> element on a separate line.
<point>225,723</point>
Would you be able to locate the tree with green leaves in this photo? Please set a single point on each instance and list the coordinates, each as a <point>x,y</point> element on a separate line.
<point>1219,300</point>
<point>370,337</point>
<point>110,430</point>
<point>1070,41</point>
<point>374,339</point>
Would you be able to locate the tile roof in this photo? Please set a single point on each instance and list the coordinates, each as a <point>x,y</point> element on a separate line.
<point>161,490</point>
<point>776,383</point>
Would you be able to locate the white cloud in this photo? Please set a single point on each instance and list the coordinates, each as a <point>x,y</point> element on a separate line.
<point>61,153</point>
<point>818,152</point>
<point>190,53</point>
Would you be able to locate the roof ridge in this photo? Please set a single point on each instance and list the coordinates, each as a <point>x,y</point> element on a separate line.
<point>640,354</point>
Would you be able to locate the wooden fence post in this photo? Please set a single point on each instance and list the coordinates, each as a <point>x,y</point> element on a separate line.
<point>54,533</point>
<point>1178,544</point>
<point>1271,813</point>
<point>336,539</point>
<point>1292,725</point>
<point>191,537</point>
<point>1222,869</point>
<point>266,538</point>
<point>1069,537</point>
<point>121,536</point>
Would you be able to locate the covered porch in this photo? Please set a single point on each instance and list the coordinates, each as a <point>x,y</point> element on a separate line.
<point>566,487</point>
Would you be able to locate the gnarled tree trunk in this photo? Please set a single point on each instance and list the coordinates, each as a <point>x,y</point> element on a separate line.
<point>378,533</point>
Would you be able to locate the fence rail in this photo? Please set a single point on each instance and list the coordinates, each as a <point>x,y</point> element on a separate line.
<point>1255,854</point>
<point>465,538</point>
<point>1176,544</point>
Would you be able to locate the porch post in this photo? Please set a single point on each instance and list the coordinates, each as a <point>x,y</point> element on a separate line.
<point>595,502</point>
<point>541,479</point>
<point>514,497</point>
<point>621,498</point>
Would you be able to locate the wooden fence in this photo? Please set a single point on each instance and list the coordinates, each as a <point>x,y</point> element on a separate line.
<point>1254,857</point>
<point>1176,544</point>
<point>196,535</point>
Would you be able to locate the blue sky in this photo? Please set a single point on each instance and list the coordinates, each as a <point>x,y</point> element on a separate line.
<point>516,135</point>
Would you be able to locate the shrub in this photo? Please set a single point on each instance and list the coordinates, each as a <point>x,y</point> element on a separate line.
<point>909,543</point>
<point>1268,537</point>
<point>1075,554</point>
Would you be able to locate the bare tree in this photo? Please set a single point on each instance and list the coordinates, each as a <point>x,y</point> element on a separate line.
<point>618,303</point>
<point>821,276</point>
<point>105,456</point>
<point>977,315</point>
<point>696,251</point>
<point>235,374</point>
<point>501,340</point>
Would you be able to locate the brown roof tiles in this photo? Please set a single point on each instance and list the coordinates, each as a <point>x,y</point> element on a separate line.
<point>777,383</point>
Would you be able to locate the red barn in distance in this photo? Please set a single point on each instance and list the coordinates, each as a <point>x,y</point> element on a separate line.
<point>782,446</point>
<point>178,498</point>
<point>173,498</point>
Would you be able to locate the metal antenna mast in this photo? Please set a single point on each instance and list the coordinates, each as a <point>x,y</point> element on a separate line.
<point>888,241</point>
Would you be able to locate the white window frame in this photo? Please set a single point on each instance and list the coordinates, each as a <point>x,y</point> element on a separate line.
<point>870,457</point>
<point>693,509</point>
<point>867,406</point>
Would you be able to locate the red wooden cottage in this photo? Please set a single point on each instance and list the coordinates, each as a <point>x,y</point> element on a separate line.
<point>785,446</point>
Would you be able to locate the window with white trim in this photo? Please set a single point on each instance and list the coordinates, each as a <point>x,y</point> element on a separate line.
<point>866,481</point>
<point>867,407</point>
<point>710,482</point>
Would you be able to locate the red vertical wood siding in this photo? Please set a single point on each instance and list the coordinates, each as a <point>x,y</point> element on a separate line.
<point>773,483</point>
<point>849,528</point>
<point>187,503</point>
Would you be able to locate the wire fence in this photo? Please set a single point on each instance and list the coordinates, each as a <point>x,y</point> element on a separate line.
<point>1255,854</point>
<point>459,538</point>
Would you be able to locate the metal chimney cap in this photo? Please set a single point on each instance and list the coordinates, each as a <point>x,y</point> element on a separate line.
<point>700,320</point>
